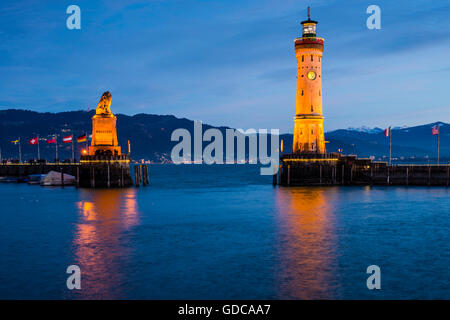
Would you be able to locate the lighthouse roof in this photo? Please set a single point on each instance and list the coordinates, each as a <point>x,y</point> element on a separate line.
<point>309,21</point>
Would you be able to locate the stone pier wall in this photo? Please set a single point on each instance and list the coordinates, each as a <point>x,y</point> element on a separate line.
<point>24,169</point>
<point>335,169</point>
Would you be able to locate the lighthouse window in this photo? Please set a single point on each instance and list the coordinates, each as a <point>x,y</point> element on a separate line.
<point>320,93</point>
<point>302,92</point>
<point>312,131</point>
<point>309,29</point>
<point>312,58</point>
<point>303,58</point>
<point>312,109</point>
<point>319,59</point>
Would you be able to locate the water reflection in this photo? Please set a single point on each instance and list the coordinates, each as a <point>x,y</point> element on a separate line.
<point>307,243</point>
<point>101,245</point>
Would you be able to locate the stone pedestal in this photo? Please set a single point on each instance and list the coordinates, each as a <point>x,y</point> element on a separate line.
<point>104,136</point>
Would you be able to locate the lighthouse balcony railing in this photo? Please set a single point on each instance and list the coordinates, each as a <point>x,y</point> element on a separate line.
<point>309,40</point>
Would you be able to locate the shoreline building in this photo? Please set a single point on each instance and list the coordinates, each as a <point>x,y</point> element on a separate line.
<point>308,122</point>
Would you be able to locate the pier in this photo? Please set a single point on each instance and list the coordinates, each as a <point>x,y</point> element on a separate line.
<point>95,172</point>
<point>22,170</point>
<point>336,169</point>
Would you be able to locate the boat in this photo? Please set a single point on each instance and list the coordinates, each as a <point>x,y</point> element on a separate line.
<point>54,178</point>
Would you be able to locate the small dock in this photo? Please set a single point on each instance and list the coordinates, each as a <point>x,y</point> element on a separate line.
<point>336,169</point>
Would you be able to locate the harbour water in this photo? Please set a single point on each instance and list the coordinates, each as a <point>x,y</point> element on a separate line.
<point>224,232</point>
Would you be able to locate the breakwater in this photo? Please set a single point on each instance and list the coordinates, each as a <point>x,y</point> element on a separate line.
<point>22,170</point>
<point>336,169</point>
<point>90,172</point>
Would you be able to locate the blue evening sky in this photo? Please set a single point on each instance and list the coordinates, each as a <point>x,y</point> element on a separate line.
<point>228,62</point>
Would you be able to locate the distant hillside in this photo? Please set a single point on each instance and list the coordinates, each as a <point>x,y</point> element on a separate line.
<point>150,136</point>
<point>408,142</point>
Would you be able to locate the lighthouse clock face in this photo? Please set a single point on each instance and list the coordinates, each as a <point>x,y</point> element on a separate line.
<point>311,75</point>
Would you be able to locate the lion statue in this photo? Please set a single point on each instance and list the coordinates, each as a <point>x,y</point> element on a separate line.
<point>103,107</point>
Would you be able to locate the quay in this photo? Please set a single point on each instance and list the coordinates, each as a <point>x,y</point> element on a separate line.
<point>88,173</point>
<point>336,169</point>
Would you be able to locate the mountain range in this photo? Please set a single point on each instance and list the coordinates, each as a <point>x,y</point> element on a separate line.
<point>150,134</point>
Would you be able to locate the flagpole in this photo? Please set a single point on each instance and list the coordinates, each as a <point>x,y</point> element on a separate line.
<point>438,146</point>
<point>390,145</point>
<point>56,144</point>
<point>39,152</point>
<point>20,152</point>
<point>73,154</point>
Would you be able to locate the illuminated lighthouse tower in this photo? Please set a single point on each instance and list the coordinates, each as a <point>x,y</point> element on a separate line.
<point>308,128</point>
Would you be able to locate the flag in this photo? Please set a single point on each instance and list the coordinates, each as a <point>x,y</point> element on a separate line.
<point>387,132</point>
<point>15,141</point>
<point>435,130</point>
<point>52,140</point>
<point>33,141</point>
<point>82,138</point>
<point>67,139</point>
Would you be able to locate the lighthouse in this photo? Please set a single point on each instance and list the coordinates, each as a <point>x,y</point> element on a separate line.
<point>308,122</point>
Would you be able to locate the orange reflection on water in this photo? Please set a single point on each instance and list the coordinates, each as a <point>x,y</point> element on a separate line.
<point>101,250</point>
<point>307,243</point>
